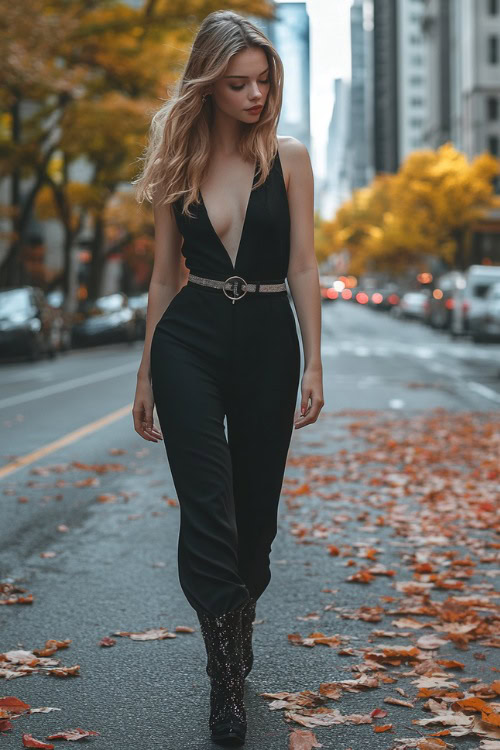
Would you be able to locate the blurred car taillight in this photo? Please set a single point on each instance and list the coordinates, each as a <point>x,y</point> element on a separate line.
<point>465,307</point>
<point>449,304</point>
<point>393,299</point>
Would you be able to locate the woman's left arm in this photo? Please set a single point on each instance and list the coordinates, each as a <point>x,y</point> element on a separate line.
<point>303,277</point>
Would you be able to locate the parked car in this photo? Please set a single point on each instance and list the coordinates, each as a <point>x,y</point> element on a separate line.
<point>104,320</point>
<point>384,298</point>
<point>414,305</point>
<point>139,304</point>
<point>328,293</point>
<point>441,307</point>
<point>29,326</point>
<point>490,329</point>
<point>468,313</point>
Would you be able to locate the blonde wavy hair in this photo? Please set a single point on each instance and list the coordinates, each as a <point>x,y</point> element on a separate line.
<point>178,149</point>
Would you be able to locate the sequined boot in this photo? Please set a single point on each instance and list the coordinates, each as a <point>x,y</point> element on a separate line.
<point>247,618</point>
<point>223,642</point>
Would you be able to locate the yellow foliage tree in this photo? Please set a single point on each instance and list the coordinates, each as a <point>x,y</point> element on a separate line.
<point>427,208</point>
<point>92,72</point>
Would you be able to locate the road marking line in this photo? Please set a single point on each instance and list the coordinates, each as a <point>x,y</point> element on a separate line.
<point>71,437</point>
<point>50,390</point>
<point>484,391</point>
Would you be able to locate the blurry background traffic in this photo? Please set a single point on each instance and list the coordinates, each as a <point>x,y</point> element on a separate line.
<point>398,102</point>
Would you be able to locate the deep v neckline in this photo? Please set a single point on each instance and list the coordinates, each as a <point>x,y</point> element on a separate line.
<point>223,247</point>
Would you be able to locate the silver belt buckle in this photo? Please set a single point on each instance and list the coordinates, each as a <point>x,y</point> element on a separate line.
<point>234,288</point>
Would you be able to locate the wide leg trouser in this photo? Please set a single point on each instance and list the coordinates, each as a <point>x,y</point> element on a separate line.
<point>228,487</point>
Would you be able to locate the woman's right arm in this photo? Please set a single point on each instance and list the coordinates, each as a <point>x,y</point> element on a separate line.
<point>168,277</point>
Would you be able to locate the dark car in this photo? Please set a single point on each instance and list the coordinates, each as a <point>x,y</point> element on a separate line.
<point>29,326</point>
<point>444,298</point>
<point>384,298</point>
<point>105,320</point>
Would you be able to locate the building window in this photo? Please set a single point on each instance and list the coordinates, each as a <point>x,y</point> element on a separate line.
<point>492,107</point>
<point>417,101</point>
<point>493,49</point>
<point>493,6</point>
<point>493,144</point>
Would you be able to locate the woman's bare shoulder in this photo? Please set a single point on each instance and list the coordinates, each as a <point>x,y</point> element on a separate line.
<point>291,151</point>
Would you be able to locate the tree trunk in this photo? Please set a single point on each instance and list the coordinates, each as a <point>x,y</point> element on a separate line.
<point>98,260</point>
<point>10,271</point>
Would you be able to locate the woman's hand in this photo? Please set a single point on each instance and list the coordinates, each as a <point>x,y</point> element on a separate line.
<point>312,388</point>
<point>143,411</point>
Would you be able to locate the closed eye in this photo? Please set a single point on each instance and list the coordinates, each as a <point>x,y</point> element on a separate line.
<point>238,88</point>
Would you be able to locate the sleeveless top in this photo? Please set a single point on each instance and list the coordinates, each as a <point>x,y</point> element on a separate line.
<point>264,248</point>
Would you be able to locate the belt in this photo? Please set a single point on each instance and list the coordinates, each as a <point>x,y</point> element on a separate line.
<point>237,285</point>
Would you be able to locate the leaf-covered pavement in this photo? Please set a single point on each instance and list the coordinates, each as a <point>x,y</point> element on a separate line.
<point>380,628</point>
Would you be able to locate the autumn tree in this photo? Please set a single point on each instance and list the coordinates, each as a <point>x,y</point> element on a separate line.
<point>81,85</point>
<point>427,208</point>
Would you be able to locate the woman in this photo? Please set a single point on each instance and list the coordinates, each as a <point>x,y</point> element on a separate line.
<point>236,202</point>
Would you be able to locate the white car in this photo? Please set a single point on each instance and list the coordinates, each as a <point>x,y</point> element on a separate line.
<point>491,320</point>
<point>468,313</point>
<point>414,305</point>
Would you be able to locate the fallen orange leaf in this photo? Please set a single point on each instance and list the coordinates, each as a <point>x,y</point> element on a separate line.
<point>30,741</point>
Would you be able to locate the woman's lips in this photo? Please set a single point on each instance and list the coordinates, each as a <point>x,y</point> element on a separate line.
<point>257,108</point>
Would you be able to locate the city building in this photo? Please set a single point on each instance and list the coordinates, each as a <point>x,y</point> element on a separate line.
<point>413,77</point>
<point>385,86</point>
<point>400,81</point>
<point>338,182</point>
<point>475,80</point>
<point>462,41</point>
<point>361,101</point>
<point>289,33</point>
<point>437,52</point>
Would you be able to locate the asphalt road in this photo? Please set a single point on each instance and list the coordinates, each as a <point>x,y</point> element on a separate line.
<point>115,568</point>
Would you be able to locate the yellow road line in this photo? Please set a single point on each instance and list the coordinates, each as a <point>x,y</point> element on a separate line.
<point>71,437</point>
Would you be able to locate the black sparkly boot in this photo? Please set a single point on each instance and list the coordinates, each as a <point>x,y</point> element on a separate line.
<point>247,618</point>
<point>223,642</point>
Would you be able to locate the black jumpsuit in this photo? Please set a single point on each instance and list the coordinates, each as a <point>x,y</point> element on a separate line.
<point>212,358</point>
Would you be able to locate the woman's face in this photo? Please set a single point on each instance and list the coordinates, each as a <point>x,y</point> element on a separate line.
<point>245,84</point>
